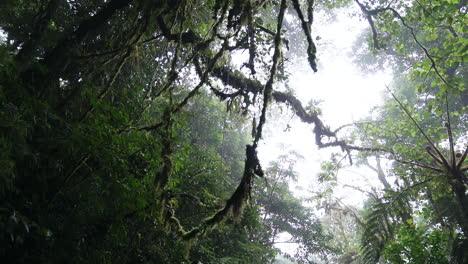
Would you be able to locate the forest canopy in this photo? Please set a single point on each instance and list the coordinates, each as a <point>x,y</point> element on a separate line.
<point>130,133</point>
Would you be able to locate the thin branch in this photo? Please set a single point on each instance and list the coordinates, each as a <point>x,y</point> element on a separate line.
<point>371,23</point>
<point>306,25</point>
<point>105,53</point>
<point>426,52</point>
<point>269,85</point>
<point>419,128</point>
<point>72,172</point>
<point>407,189</point>
<point>104,92</point>
<point>203,78</point>
<point>355,124</point>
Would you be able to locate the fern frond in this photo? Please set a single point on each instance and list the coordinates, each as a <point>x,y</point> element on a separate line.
<point>377,231</point>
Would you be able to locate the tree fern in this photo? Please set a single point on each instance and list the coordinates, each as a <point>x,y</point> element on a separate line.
<point>377,231</point>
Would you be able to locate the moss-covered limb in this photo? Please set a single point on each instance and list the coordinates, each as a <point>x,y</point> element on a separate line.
<point>236,202</point>
<point>320,130</point>
<point>310,12</point>
<point>171,222</point>
<point>311,48</point>
<point>224,96</point>
<point>251,33</point>
<point>274,67</point>
<point>296,105</point>
<point>162,177</point>
<point>240,82</point>
<point>237,80</point>
<point>232,207</point>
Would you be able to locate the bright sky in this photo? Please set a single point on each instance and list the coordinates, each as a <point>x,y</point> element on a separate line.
<point>347,96</point>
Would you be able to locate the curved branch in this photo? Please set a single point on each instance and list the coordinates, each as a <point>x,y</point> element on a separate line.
<point>368,16</point>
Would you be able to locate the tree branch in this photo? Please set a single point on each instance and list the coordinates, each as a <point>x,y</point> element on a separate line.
<point>311,49</point>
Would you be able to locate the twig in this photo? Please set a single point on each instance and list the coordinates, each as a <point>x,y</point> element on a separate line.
<point>407,189</point>
<point>419,127</point>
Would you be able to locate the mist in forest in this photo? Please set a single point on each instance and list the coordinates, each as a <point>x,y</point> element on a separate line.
<point>233,131</point>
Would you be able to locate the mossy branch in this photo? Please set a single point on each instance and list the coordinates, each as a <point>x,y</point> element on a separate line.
<point>306,25</point>
<point>274,67</point>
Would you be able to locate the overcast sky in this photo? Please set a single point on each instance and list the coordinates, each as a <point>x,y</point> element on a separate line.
<point>348,95</point>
